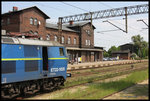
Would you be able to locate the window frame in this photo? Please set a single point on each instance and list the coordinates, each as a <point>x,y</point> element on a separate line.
<point>55,38</point>
<point>35,21</point>
<point>75,41</point>
<point>47,37</point>
<point>31,21</point>
<point>69,40</point>
<point>62,39</point>
<point>35,33</point>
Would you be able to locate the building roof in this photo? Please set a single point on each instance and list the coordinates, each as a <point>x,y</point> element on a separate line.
<point>130,43</point>
<point>68,27</point>
<point>84,49</point>
<point>117,52</point>
<point>12,12</point>
<point>55,26</point>
<point>79,24</point>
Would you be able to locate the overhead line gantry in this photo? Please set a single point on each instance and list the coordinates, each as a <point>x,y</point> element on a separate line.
<point>116,12</point>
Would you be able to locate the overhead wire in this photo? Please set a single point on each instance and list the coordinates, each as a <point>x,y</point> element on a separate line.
<point>82,10</point>
<point>47,6</point>
<point>75,6</point>
<point>105,5</point>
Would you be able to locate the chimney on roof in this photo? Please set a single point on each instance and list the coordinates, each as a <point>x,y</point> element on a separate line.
<point>15,8</point>
<point>71,22</point>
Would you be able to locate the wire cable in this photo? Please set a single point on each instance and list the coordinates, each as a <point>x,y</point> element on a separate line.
<point>75,7</point>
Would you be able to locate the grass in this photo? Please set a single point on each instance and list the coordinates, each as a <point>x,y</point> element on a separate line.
<point>99,90</point>
<point>107,88</point>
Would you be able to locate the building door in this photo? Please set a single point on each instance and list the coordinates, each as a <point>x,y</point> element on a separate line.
<point>45,58</point>
<point>95,56</point>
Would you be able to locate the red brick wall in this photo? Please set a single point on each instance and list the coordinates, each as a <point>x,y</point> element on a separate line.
<point>122,56</point>
<point>14,22</point>
<point>85,36</point>
<point>25,25</point>
<point>66,34</point>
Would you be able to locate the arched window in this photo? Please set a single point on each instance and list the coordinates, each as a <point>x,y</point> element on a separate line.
<point>35,21</point>
<point>62,39</point>
<point>31,32</point>
<point>31,21</point>
<point>75,41</point>
<point>69,40</point>
<point>36,33</point>
<point>55,38</point>
<point>48,37</point>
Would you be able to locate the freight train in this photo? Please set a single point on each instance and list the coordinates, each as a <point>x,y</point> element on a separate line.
<point>29,65</point>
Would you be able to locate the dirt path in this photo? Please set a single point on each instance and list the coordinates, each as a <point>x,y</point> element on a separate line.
<point>136,92</point>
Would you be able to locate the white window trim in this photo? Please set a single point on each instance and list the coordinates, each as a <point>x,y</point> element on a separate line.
<point>69,40</point>
<point>35,21</point>
<point>55,38</point>
<point>31,21</point>
<point>75,41</point>
<point>62,39</point>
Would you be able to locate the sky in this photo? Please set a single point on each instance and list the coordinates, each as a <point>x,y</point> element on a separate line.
<point>105,34</point>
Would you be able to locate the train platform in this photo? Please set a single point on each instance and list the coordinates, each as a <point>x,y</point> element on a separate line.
<point>101,64</point>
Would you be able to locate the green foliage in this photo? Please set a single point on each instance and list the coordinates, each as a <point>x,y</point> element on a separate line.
<point>97,90</point>
<point>106,54</point>
<point>141,46</point>
<point>113,48</point>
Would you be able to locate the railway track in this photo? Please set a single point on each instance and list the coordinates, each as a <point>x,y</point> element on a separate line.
<point>107,74</point>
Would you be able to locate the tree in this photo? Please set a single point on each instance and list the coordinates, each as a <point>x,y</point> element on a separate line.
<point>106,54</point>
<point>141,46</point>
<point>113,48</point>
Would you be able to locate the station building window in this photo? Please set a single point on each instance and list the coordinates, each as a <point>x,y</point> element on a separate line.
<point>36,33</point>
<point>75,41</point>
<point>31,21</point>
<point>62,39</point>
<point>35,21</point>
<point>69,40</point>
<point>55,38</point>
<point>48,37</point>
<point>31,32</point>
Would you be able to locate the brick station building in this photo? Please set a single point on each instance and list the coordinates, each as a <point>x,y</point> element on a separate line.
<point>77,37</point>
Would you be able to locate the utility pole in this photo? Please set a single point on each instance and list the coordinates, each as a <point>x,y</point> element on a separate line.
<point>91,19</point>
<point>126,20</point>
<point>60,28</point>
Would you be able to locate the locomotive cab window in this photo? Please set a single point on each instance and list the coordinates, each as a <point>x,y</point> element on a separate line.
<point>61,51</point>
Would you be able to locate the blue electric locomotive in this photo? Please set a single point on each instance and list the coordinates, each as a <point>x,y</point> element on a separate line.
<point>29,65</point>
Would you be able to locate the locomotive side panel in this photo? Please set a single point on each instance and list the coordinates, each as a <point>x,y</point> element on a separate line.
<point>12,65</point>
<point>57,58</point>
<point>33,62</point>
<point>20,63</point>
